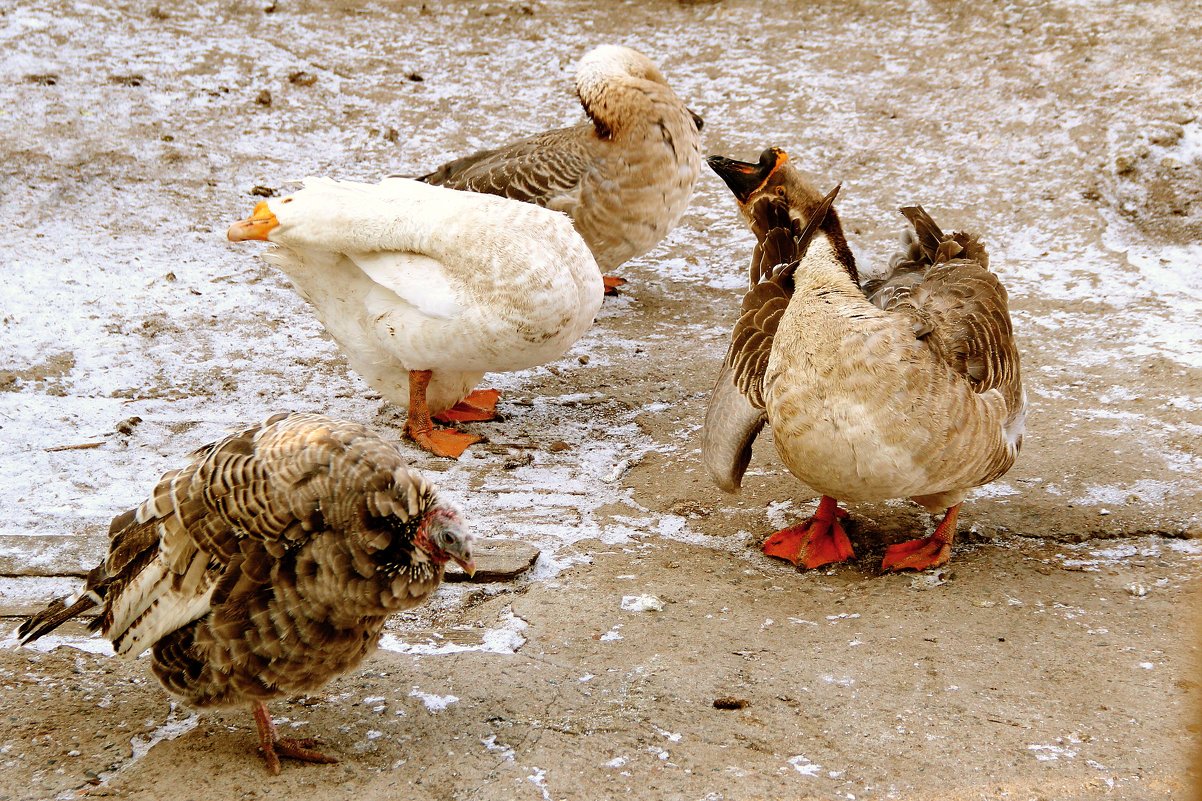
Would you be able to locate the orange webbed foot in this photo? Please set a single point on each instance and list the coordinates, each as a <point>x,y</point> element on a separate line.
<point>919,554</point>
<point>927,552</point>
<point>444,441</point>
<point>478,407</point>
<point>818,541</point>
<point>612,282</point>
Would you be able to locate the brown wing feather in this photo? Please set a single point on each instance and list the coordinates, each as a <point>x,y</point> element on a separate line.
<point>534,170</point>
<point>957,306</point>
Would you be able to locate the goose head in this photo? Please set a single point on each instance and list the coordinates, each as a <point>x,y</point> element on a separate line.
<point>772,187</point>
<point>772,176</point>
<point>608,62</point>
<point>312,208</point>
<point>322,213</point>
<point>259,225</point>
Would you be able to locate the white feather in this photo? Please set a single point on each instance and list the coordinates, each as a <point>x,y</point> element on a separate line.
<point>407,276</point>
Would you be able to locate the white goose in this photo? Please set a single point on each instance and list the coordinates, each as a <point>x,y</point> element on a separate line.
<point>425,289</point>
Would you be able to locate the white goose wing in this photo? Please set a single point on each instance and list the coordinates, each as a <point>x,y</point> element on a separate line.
<point>418,280</point>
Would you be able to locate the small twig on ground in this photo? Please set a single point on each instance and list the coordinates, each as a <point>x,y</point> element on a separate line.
<point>82,446</point>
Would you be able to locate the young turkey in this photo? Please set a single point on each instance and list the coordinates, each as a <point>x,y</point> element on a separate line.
<point>268,564</point>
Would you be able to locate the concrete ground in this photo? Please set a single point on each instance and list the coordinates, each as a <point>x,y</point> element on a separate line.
<point>1055,658</point>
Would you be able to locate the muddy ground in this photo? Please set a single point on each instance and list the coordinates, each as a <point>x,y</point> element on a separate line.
<point>1057,656</point>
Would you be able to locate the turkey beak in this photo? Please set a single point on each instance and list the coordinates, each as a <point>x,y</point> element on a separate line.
<point>258,226</point>
<point>460,550</point>
<point>745,178</point>
<point>468,565</point>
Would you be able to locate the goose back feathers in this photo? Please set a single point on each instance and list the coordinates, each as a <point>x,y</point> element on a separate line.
<point>625,177</point>
<point>917,397</point>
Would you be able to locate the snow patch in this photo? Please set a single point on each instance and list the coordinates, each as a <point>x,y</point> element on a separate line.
<point>641,603</point>
<point>505,639</point>
<point>490,742</point>
<point>804,766</point>
<point>612,635</point>
<point>434,703</point>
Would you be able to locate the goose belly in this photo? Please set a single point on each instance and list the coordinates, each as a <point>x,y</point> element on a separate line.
<point>865,426</point>
<point>487,337</point>
<point>457,332</point>
<point>846,450</point>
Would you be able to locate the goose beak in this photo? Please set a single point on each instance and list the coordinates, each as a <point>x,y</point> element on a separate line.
<point>745,178</point>
<point>258,226</point>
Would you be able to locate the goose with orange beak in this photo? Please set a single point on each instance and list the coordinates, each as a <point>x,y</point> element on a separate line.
<point>426,289</point>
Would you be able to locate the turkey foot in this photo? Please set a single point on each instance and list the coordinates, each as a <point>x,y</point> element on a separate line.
<point>480,405</point>
<point>926,552</point>
<point>818,541</point>
<point>612,282</point>
<point>273,747</point>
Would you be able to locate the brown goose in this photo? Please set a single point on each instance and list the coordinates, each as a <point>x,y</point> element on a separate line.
<point>905,387</point>
<point>624,177</point>
<point>268,564</point>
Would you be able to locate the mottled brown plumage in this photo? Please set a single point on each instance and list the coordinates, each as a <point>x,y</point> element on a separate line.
<point>268,564</point>
<point>625,177</point>
<point>906,387</point>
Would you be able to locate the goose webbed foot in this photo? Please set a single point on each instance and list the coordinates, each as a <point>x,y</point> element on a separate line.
<point>819,540</point>
<point>926,552</point>
<point>612,282</point>
<point>479,406</point>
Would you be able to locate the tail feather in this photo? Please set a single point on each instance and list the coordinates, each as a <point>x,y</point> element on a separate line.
<point>54,616</point>
<point>927,235</point>
<point>924,245</point>
<point>58,612</point>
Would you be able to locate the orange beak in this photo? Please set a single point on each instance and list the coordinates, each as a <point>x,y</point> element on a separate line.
<point>260,224</point>
<point>468,565</point>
